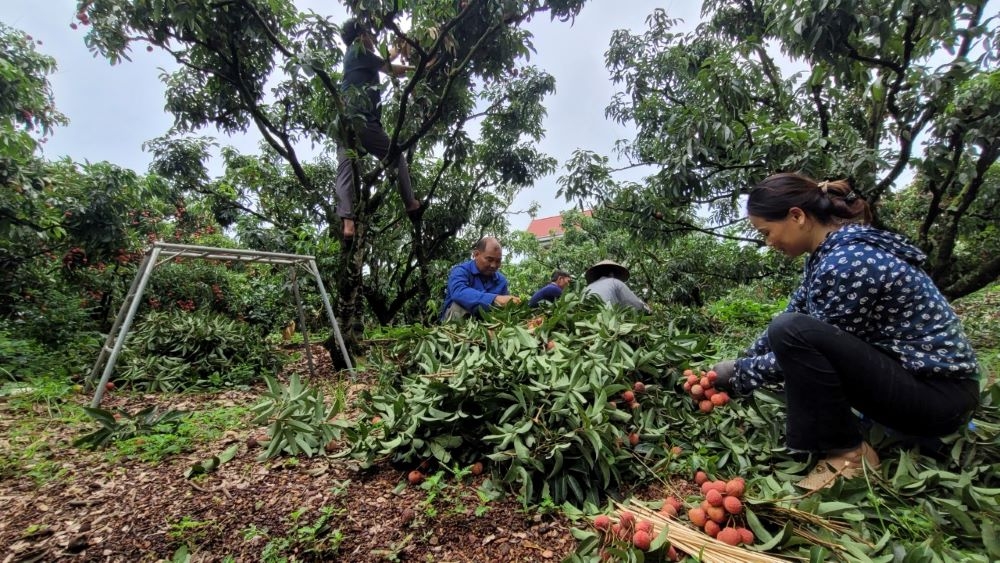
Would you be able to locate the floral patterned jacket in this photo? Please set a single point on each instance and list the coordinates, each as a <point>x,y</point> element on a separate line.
<point>869,283</point>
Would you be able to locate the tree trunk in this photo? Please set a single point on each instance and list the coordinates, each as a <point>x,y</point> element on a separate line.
<point>349,307</point>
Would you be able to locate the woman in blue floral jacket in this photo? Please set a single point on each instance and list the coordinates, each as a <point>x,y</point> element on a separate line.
<point>866,330</point>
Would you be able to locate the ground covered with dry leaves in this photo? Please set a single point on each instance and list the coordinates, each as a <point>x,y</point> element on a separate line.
<point>99,507</point>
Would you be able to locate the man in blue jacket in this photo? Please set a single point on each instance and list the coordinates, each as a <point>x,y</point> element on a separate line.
<point>551,291</point>
<point>477,284</point>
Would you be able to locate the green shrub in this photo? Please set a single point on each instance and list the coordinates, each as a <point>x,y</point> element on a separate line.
<point>543,416</point>
<point>21,358</point>
<point>741,310</point>
<point>171,351</point>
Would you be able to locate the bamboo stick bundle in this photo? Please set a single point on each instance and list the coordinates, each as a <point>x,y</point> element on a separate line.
<point>696,543</point>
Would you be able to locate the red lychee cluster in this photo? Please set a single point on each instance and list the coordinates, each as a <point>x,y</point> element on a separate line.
<point>74,258</point>
<point>630,398</point>
<point>701,387</point>
<point>627,530</point>
<point>720,509</point>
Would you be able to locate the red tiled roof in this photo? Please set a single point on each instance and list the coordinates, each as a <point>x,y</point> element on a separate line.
<point>549,226</point>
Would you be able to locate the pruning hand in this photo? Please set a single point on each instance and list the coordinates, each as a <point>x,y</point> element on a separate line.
<point>502,300</point>
<point>725,370</point>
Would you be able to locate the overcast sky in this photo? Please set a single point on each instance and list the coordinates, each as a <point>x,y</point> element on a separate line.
<point>114,109</point>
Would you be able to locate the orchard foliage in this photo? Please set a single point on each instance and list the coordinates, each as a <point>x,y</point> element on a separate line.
<point>671,272</point>
<point>876,89</point>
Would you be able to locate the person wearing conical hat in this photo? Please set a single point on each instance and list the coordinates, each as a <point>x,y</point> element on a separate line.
<point>606,279</point>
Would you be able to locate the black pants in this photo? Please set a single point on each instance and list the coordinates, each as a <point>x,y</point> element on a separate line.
<point>828,372</point>
<point>374,140</point>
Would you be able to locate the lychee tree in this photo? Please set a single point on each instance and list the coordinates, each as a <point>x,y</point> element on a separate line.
<point>272,68</point>
<point>861,89</point>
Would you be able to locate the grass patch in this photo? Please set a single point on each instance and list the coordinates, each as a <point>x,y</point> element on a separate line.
<point>196,428</point>
<point>980,314</point>
<point>30,453</point>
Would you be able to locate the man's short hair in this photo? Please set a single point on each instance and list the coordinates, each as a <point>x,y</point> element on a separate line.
<point>351,30</point>
<point>560,274</point>
<point>482,243</point>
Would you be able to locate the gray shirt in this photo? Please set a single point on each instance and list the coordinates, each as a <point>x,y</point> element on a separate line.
<point>613,290</point>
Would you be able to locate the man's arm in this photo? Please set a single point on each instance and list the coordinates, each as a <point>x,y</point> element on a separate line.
<point>627,297</point>
<point>395,69</point>
<point>550,292</point>
<point>503,296</point>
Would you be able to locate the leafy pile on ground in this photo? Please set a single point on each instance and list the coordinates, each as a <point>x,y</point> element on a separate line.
<point>578,404</point>
<point>564,407</point>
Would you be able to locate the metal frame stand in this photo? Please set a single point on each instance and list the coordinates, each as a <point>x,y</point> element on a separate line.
<point>126,313</point>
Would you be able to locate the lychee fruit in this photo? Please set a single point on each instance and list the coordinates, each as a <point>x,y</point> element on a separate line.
<point>626,519</point>
<point>700,478</point>
<point>675,502</point>
<point>477,468</point>
<point>746,536</point>
<point>602,522</point>
<point>729,535</point>
<point>633,439</point>
<point>716,513</point>
<point>642,540</point>
<point>712,529</point>
<point>735,487</point>
<point>639,387</point>
<point>628,396</point>
<point>668,510</point>
<point>644,526</point>
<point>415,477</point>
<point>706,406</point>
<point>732,505</point>
<point>698,517</point>
<point>714,497</point>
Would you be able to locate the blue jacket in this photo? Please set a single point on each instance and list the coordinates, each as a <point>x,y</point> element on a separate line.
<point>550,292</point>
<point>472,290</point>
<point>869,283</point>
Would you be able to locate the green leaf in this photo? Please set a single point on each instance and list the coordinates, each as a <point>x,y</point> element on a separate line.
<point>991,537</point>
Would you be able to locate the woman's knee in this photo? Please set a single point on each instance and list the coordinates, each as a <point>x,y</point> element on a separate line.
<point>786,327</point>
